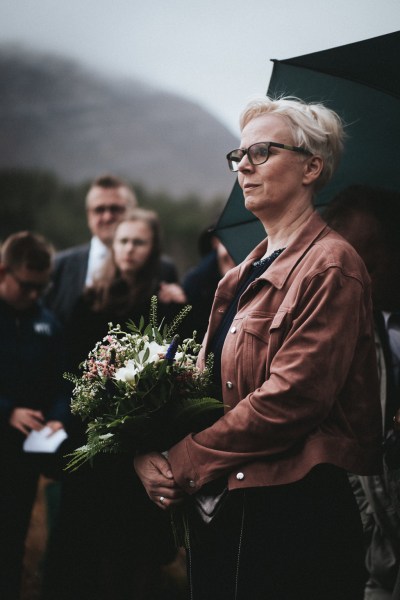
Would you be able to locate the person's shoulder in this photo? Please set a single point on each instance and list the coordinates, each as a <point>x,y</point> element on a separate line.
<point>335,245</point>
<point>168,271</point>
<point>167,260</point>
<point>207,268</point>
<point>72,252</point>
<point>333,250</point>
<point>70,259</point>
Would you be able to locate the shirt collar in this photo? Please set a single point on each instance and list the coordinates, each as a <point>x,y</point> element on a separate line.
<point>280,269</point>
<point>98,248</point>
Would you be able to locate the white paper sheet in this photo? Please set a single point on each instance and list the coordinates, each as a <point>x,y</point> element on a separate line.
<point>44,440</point>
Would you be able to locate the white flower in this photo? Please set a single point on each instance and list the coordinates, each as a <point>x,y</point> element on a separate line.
<point>129,372</point>
<point>155,352</point>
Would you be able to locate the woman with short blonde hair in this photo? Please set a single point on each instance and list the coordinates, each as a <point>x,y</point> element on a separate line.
<point>271,511</point>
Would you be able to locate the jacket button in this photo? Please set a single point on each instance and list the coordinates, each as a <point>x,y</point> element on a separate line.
<point>240,476</point>
<point>229,385</point>
<point>233,329</point>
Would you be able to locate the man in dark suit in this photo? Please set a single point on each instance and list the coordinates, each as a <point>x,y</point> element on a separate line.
<point>369,218</point>
<point>33,393</point>
<point>107,202</point>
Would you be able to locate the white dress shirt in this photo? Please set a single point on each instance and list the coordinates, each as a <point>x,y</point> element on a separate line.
<point>98,253</point>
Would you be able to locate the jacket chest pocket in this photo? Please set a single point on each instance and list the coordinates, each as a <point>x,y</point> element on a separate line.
<point>263,336</point>
<point>256,340</point>
<point>279,327</point>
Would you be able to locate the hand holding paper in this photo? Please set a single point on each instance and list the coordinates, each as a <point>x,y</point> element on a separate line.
<point>45,440</point>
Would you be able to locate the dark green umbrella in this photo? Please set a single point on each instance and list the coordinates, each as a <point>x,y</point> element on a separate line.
<point>361,82</point>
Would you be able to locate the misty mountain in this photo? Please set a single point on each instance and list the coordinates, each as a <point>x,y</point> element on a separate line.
<point>57,115</point>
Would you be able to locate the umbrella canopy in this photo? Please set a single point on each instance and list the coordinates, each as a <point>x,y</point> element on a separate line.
<point>361,82</point>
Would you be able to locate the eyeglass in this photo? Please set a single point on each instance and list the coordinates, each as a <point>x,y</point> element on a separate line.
<point>114,209</point>
<point>258,153</point>
<point>30,286</point>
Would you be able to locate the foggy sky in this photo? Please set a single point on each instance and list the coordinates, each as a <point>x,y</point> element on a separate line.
<point>215,52</point>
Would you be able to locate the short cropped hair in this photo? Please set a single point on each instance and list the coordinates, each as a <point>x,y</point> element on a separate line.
<point>26,249</point>
<point>111,182</point>
<point>314,127</point>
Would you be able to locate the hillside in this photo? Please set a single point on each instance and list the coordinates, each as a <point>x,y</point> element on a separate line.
<point>57,115</point>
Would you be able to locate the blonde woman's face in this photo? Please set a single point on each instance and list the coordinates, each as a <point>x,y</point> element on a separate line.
<point>132,246</point>
<point>272,186</point>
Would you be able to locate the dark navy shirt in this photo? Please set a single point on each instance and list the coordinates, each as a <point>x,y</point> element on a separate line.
<point>217,342</point>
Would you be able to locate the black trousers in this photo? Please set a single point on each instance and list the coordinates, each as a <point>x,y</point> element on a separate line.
<point>19,474</point>
<point>301,541</point>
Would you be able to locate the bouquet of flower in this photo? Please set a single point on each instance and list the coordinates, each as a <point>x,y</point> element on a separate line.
<point>140,389</point>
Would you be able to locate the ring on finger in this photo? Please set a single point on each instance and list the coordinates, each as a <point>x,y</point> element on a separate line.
<point>162,499</point>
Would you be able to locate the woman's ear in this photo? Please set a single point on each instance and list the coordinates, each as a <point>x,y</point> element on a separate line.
<point>312,169</point>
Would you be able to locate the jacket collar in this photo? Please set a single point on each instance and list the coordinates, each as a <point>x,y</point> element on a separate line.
<point>281,268</point>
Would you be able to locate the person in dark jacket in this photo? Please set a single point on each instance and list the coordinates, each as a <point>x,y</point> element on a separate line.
<point>107,202</point>
<point>33,392</point>
<point>109,539</point>
<point>201,281</point>
<point>369,218</point>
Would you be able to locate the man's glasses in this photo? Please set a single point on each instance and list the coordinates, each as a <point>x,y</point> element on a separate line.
<point>114,209</point>
<point>30,286</point>
<point>257,153</point>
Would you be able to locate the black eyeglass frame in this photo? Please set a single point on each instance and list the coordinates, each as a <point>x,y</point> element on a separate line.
<point>114,209</point>
<point>233,164</point>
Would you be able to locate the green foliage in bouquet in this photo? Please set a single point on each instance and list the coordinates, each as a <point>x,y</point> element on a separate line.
<point>140,389</point>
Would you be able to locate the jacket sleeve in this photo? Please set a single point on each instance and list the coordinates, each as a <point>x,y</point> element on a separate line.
<point>168,271</point>
<point>6,407</point>
<point>58,408</point>
<point>327,339</point>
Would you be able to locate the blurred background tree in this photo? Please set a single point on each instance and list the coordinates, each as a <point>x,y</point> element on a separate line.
<point>39,201</point>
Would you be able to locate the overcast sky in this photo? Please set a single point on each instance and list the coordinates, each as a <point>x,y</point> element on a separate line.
<point>216,52</point>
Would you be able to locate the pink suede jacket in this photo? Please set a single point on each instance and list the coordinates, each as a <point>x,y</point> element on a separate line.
<point>299,371</point>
